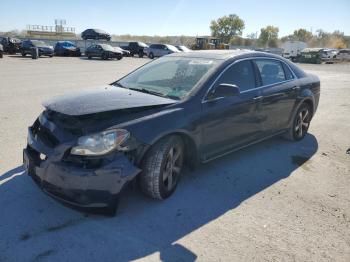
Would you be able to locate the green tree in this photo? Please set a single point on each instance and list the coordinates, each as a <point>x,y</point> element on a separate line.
<point>302,35</point>
<point>226,27</point>
<point>269,36</point>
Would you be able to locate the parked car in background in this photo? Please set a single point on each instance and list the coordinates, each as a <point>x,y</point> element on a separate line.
<point>135,48</point>
<point>182,109</point>
<point>292,49</point>
<point>1,51</point>
<point>329,54</point>
<point>43,48</point>
<point>95,34</point>
<point>125,52</point>
<point>10,45</point>
<point>66,48</point>
<point>183,48</point>
<point>344,54</point>
<point>158,50</point>
<point>103,51</point>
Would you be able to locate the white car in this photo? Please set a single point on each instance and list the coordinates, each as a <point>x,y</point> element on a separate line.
<point>344,54</point>
<point>158,50</point>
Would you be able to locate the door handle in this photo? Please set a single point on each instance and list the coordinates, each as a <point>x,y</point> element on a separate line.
<point>258,98</point>
<point>294,88</point>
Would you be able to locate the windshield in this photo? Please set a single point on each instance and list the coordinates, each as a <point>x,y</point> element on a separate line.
<point>100,31</point>
<point>172,48</point>
<point>142,44</point>
<point>39,43</point>
<point>68,44</point>
<point>107,47</point>
<point>184,48</point>
<point>173,77</point>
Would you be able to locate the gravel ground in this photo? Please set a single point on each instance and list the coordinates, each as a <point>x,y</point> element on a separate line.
<point>275,201</point>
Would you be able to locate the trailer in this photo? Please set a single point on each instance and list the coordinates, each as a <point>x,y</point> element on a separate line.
<point>292,49</point>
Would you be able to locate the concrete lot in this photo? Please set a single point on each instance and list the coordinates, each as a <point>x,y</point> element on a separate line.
<point>276,201</point>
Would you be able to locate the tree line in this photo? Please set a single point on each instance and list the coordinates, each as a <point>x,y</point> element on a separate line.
<point>229,29</point>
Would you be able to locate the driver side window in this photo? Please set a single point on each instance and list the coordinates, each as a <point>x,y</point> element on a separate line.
<point>240,74</point>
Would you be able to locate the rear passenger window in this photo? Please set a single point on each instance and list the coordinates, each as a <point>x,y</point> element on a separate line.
<point>241,75</point>
<point>287,72</point>
<point>271,71</point>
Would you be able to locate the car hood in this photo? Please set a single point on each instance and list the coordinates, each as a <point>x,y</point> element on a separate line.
<point>103,99</point>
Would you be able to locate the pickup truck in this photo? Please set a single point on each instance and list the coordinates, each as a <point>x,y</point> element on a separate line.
<point>135,48</point>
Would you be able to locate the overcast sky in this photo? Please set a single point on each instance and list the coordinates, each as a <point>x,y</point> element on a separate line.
<point>176,17</point>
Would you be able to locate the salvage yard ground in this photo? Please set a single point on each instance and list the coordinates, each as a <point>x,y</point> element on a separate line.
<point>276,201</point>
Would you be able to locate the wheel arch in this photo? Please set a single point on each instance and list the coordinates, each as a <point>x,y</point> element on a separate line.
<point>191,148</point>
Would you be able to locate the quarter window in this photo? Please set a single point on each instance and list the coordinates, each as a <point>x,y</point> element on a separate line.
<point>287,72</point>
<point>240,74</point>
<point>271,71</point>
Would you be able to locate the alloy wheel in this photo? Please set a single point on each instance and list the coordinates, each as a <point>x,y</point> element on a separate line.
<point>302,123</point>
<point>172,167</point>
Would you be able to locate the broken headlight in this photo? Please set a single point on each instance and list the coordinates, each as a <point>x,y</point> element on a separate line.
<point>100,143</point>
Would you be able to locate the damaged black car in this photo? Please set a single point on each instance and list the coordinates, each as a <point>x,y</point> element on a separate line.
<point>180,110</point>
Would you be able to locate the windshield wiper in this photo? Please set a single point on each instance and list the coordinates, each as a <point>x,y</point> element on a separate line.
<point>146,91</point>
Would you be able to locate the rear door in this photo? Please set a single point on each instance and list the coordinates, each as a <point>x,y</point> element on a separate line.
<point>279,91</point>
<point>231,122</point>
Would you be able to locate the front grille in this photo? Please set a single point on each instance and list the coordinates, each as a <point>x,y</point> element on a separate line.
<point>44,134</point>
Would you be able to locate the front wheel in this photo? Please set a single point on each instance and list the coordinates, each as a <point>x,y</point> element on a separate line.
<point>301,123</point>
<point>151,55</point>
<point>140,54</point>
<point>162,167</point>
<point>119,57</point>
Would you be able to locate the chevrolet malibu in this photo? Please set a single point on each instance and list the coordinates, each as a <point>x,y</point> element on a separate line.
<point>180,110</point>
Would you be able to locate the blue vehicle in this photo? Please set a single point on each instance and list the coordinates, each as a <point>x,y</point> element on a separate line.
<point>66,48</point>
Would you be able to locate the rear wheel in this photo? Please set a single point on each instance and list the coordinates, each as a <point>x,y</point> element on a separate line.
<point>89,56</point>
<point>151,55</point>
<point>140,54</point>
<point>162,168</point>
<point>300,124</point>
<point>119,57</point>
<point>23,54</point>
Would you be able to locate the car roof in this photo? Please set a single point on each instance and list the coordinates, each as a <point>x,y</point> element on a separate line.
<point>223,54</point>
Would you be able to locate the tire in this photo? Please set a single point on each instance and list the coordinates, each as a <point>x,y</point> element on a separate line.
<point>1,55</point>
<point>151,55</point>
<point>23,54</point>
<point>140,54</point>
<point>119,57</point>
<point>89,56</point>
<point>160,171</point>
<point>301,123</point>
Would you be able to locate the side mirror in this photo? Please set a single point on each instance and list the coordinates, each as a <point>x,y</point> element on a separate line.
<point>224,90</point>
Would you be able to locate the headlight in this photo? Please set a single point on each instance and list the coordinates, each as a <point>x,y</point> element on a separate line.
<point>100,143</point>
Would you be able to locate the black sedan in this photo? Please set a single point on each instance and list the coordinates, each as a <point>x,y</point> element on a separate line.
<point>11,45</point>
<point>43,48</point>
<point>66,48</point>
<point>103,51</point>
<point>181,109</point>
<point>95,34</point>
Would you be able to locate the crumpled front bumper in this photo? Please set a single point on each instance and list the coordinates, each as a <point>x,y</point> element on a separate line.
<point>77,185</point>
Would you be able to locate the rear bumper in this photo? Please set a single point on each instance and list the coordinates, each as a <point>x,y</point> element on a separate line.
<point>74,183</point>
